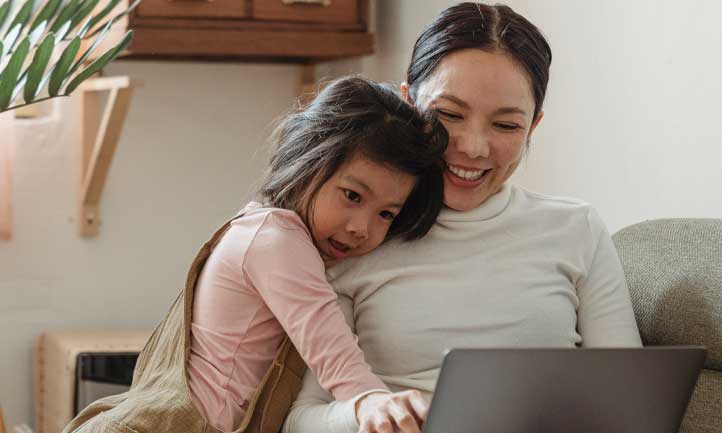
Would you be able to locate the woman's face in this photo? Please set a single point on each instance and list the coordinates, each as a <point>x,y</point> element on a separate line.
<point>486,103</point>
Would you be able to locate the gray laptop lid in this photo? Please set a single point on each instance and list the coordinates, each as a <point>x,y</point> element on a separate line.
<point>564,390</point>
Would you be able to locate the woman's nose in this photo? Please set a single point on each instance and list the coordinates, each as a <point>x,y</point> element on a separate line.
<point>474,145</point>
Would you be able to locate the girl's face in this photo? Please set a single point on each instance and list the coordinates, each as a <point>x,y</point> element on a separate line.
<point>486,103</point>
<point>354,209</point>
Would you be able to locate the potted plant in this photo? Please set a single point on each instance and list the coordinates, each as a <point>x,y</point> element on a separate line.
<point>47,49</point>
<point>40,46</point>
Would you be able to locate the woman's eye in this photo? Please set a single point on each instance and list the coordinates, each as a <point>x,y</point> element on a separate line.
<point>352,195</point>
<point>507,126</point>
<point>448,115</point>
<point>388,216</point>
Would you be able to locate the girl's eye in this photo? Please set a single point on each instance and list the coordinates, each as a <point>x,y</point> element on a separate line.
<point>449,115</point>
<point>352,195</point>
<point>388,216</point>
<point>507,126</point>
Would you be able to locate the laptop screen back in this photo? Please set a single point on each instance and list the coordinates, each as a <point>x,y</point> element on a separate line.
<point>564,390</point>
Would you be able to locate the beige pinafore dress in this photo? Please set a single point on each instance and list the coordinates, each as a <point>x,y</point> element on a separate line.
<point>159,400</point>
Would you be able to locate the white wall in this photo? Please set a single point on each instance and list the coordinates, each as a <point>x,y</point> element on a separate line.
<point>633,107</point>
<point>191,150</point>
<point>633,115</point>
<point>631,125</point>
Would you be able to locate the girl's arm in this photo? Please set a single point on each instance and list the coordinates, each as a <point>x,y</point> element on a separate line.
<point>315,410</point>
<point>283,265</point>
<point>605,317</point>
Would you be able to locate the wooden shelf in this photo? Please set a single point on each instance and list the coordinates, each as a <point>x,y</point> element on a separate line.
<point>100,134</point>
<point>251,30</point>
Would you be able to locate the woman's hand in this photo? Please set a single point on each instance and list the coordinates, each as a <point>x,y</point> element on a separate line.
<point>400,412</point>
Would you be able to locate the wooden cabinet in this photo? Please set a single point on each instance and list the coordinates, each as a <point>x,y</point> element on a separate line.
<point>259,30</point>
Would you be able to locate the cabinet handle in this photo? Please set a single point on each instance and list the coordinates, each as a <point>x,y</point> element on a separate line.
<point>313,2</point>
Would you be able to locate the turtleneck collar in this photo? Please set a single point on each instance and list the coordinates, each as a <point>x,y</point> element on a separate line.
<point>489,209</point>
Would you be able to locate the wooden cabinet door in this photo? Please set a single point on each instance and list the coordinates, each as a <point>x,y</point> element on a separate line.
<point>193,8</point>
<point>311,11</point>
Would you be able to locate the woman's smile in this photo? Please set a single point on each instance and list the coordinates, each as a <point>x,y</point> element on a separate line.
<point>465,176</point>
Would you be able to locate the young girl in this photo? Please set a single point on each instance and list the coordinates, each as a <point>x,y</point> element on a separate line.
<point>355,168</point>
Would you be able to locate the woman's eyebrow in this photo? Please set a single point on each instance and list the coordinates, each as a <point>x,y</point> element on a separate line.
<point>463,104</point>
<point>454,99</point>
<point>510,110</point>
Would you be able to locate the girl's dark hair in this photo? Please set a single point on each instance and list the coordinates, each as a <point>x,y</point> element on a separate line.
<point>354,115</point>
<point>489,28</point>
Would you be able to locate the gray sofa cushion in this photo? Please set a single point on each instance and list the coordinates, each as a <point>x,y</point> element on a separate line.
<point>704,413</point>
<point>674,271</point>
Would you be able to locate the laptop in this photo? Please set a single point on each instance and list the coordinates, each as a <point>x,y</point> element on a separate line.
<point>636,390</point>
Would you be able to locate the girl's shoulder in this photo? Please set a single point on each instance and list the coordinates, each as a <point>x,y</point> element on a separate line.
<point>276,238</point>
<point>270,217</point>
<point>274,225</point>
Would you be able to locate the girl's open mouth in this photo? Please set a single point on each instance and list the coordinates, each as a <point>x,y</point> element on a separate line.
<point>338,249</point>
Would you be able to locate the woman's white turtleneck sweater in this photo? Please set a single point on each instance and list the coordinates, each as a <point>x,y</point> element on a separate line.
<point>522,270</point>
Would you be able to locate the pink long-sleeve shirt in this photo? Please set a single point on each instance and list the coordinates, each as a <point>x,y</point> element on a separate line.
<point>266,278</point>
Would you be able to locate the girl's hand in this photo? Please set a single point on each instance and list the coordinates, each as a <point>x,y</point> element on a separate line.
<point>400,412</point>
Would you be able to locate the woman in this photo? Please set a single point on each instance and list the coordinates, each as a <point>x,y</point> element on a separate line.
<point>502,266</point>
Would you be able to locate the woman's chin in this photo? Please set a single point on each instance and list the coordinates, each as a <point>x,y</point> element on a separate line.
<point>465,199</point>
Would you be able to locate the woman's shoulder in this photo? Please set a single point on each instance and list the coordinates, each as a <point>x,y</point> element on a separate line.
<point>558,207</point>
<point>548,200</point>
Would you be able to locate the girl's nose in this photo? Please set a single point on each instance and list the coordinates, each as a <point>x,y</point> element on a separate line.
<point>358,227</point>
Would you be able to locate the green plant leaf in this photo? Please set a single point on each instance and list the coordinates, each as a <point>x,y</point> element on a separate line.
<point>61,68</point>
<point>85,9</point>
<point>46,13</point>
<point>66,13</point>
<point>100,62</point>
<point>60,34</point>
<point>10,38</point>
<point>36,34</point>
<point>90,49</point>
<point>19,85</point>
<point>2,53</point>
<point>37,67</point>
<point>9,76</point>
<point>103,13</point>
<point>84,28</point>
<point>4,12</point>
<point>23,15</point>
<point>116,18</point>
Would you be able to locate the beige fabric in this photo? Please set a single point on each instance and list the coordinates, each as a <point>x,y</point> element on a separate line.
<point>55,356</point>
<point>674,271</point>
<point>159,400</point>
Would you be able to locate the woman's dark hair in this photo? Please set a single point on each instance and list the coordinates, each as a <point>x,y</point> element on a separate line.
<point>489,28</point>
<point>353,115</point>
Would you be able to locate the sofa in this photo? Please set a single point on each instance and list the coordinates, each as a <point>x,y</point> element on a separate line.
<point>674,271</point>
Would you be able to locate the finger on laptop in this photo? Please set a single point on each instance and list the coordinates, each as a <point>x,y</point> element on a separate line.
<point>419,406</point>
<point>405,419</point>
<point>400,412</point>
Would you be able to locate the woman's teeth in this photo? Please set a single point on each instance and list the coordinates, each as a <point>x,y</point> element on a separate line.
<point>466,174</point>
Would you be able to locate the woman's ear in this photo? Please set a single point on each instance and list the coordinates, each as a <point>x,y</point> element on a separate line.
<point>536,122</point>
<point>405,93</point>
